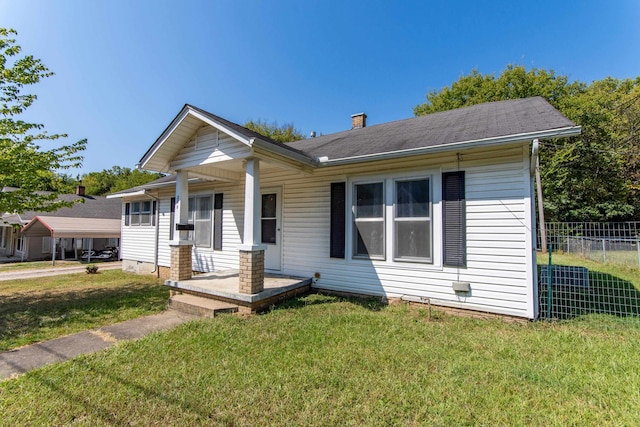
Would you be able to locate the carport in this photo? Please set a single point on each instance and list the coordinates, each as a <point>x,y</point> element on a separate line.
<point>69,227</point>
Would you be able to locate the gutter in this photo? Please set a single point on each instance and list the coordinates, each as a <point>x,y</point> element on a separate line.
<point>556,133</point>
<point>121,195</point>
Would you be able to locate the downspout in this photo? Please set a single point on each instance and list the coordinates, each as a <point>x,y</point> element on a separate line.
<point>535,168</point>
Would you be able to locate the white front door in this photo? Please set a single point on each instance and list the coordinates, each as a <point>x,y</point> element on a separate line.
<point>271,224</point>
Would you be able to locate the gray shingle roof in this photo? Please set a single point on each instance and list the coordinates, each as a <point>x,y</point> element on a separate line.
<point>477,122</point>
<point>93,207</point>
<point>248,133</point>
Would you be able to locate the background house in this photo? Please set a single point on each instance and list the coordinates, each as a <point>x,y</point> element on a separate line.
<point>92,222</point>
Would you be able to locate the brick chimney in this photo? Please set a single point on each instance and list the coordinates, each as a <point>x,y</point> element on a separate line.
<point>79,190</point>
<point>358,121</point>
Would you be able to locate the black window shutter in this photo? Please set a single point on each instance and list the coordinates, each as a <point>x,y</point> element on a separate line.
<point>127,212</point>
<point>172,211</point>
<point>338,219</point>
<point>153,213</point>
<point>454,214</point>
<point>217,221</point>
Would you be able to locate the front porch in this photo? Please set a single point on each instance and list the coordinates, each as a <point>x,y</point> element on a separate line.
<point>223,287</point>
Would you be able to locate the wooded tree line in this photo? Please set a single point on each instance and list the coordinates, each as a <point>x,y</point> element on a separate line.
<point>591,177</point>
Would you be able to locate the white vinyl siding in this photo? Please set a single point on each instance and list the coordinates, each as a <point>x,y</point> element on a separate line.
<point>209,146</point>
<point>206,259</point>
<point>499,254</point>
<point>498,243</point>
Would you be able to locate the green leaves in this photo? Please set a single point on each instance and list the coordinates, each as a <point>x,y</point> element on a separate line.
<point>592,177</point>
<point>23,164</point>
<point>285,133</point>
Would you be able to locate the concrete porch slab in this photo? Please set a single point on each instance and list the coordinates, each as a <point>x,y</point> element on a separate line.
<point>223,286</point>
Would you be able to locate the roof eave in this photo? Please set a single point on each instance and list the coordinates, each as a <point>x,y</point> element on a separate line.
<point>291,154</point>
<point>130,194</point>
<point>547,134</point>
<point>187,110</point>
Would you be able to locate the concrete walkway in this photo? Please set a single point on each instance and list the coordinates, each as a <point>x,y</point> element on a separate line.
<point>55,271</point>
<point>24,359</point>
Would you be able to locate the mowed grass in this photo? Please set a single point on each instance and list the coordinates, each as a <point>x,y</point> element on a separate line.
<point>33,310</point>
<point>321,360</point>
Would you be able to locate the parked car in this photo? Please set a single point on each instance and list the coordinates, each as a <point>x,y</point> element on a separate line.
<point>109,253</point>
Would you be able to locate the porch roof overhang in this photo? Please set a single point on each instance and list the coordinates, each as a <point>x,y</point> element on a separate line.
<point>160,155</point>
<point>72,227</point>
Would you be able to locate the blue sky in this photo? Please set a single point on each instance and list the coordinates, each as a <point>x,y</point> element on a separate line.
<point>124,69</point>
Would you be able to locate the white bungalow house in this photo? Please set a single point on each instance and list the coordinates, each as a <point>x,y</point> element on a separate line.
<point>436,208</point>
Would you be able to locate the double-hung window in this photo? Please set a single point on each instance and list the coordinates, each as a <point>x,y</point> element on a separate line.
<point>135,213</point>
<point>368,220</point>
<point>140,213</point>
<point>412,220</point>
<point>200,208</point>
<point>407,202</point>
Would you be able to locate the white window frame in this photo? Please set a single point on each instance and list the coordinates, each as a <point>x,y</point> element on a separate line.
<point>138,209</point>
<point>396,219</point>
<point>194,221</point>
<point>434,175</point>
<point>382,219</point>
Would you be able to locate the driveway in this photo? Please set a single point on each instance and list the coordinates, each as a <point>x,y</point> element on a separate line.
<point>55,271</point>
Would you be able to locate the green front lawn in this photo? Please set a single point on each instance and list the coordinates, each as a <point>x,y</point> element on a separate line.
<point>327,361</point>
<point>33,310</point>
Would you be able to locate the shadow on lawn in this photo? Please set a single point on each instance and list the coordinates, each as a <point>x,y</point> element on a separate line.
<point>314,298</point>
<point>605,294</point>
<point>104,411</point>
<point>24,314</point>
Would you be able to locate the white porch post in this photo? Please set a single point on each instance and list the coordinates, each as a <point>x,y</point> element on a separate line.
<point>181,267</point>
<point>182,203</point>
<point>251,277</point>
<point>252,235</point>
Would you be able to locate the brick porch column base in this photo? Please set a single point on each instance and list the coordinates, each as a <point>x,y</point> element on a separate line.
<point>251,272</point>
<point>181,268</point>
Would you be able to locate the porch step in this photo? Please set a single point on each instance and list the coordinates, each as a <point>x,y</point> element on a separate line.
<point>200,306</point>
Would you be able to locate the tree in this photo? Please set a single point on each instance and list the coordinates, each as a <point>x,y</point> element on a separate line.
<point>115,179</point>
<point>285,133</point>
<point>591,177</point>
<point>23,164</point>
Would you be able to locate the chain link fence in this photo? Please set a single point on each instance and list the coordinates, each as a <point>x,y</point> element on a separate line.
<point>607,242</point>
<point>603,277</point>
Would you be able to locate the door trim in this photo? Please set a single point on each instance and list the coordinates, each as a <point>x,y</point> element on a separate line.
<point>278,190</point>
